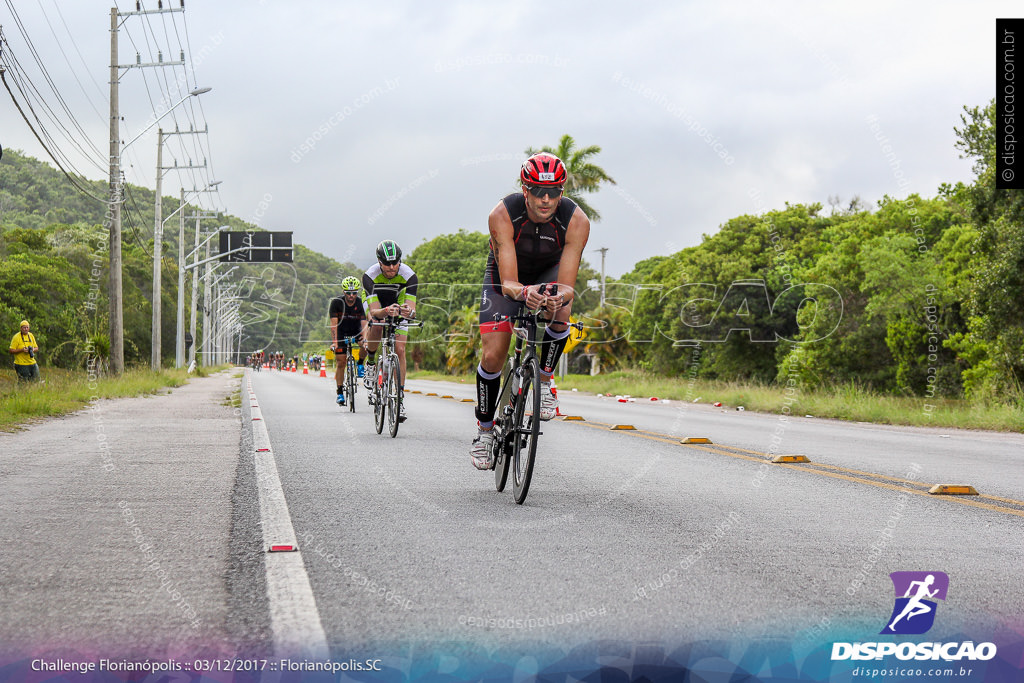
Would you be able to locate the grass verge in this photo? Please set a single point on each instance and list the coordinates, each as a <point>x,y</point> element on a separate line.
<point>64,391</point>
<point>842,402</point>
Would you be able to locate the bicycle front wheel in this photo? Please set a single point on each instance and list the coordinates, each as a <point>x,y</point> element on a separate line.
<point>501,447</point>
<point>394,396</point>
<point>525,430</point>
<point>379,396</point>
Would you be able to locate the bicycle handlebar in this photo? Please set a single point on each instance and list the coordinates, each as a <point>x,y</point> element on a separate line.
<point>396,320</point>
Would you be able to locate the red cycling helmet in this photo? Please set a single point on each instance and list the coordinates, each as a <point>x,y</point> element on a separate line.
<point>543,170</point>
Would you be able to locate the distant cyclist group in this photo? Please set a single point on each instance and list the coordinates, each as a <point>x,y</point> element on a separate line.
<point>537,237</point>
<point>278,361</point>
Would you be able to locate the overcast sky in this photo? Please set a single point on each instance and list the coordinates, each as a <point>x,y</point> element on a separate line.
<point>350,122</point>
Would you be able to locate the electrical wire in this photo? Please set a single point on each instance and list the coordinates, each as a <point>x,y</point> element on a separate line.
<point>60,46</point>
<point>74,181</point>
<point>53,87</point>
<point>128,217</point>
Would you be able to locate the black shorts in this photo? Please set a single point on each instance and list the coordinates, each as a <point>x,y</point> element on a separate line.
<point>345,343</point>
<point>495,304</point>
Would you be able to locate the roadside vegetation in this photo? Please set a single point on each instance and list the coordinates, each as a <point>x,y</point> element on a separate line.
<point>63,391</point>
<point>848,402</point>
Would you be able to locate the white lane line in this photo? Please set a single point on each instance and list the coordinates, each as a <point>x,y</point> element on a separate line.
<point>294,619</point>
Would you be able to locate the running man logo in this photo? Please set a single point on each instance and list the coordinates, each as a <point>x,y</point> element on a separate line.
<point>916,595</point>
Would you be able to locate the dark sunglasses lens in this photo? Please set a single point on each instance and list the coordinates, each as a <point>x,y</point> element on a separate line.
<point>545,191</point>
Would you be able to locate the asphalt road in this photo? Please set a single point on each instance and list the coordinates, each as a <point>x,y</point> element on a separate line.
<point>630,536</point>
<point>137,529</point>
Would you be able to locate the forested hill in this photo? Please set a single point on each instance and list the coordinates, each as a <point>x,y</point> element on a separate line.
<point>54,270</point>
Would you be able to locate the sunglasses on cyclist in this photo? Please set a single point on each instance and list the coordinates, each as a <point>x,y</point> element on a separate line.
<point>539,191</point>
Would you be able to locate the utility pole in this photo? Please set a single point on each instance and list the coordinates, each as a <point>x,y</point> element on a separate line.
<point>115,289</point>
<point>179,336</point>
<point>179,326</point>
<point>195,293</point>
<point>114,213</point>
<point>207,310</point>
<point>158,239</point>
<point>158,244</point>
<point>195,296</point>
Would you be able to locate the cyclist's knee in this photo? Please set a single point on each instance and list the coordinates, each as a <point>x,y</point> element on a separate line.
<point>492,361</point>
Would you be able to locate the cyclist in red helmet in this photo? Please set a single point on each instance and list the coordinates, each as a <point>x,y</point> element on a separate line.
<point>537,238</point>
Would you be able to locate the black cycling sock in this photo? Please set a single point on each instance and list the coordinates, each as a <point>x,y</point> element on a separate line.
<point>488,384</point>
<point>341,390</point>
<point>551,349</point>
<point>370,355</point>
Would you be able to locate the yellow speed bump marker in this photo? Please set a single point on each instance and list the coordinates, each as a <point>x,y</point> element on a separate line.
<point>577,418</point>
<point>415,391</point>
<point>447,396</point>
<point>431,393</point>
<point>696,439</point>
<point>790,458</point>
<point>468,400</point>
<point>622,427</point>
<point>952,490</point>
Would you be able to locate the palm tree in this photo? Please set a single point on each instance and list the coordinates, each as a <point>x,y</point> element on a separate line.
<point>463,340</point>
<point>583,175</point>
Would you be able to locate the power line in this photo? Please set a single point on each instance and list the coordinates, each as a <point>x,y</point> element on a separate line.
<point>60,46</point>
<point>53,87</point>
<point>74,182</point>
<point>131,223</point>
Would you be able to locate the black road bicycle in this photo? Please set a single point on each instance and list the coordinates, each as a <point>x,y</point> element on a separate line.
<point>351,370</point>
<point>385,397</point>
<point>517,422</point>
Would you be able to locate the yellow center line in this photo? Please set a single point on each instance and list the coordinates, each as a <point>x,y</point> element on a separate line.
<point>818,468</point>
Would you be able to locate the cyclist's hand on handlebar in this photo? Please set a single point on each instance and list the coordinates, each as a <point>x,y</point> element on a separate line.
<point>532,297</point>
<point>554,301</point>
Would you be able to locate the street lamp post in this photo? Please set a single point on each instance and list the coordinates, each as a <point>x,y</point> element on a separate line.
<point>179,338</point>
<point>116,302</point>
<point>194,267</point>
<point>158,238</point>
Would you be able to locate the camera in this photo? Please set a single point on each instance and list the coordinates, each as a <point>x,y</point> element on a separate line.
<point>31,353</point>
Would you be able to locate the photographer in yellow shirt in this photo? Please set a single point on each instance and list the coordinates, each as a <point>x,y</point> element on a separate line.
<point>24,349</point>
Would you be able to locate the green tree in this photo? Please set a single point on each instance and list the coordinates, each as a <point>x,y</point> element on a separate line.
<point>450,270</point>
<point>584,175</point>
<point>463,341</point>
<point>993,343</point>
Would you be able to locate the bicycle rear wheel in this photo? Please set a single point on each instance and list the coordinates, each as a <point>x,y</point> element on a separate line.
<point>350,386</point>
<point>394,396</point>
<point>379,397</point>
<point>525,430</point>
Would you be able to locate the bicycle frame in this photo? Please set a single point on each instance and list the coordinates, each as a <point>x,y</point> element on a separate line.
<point>386,396</point>
<point>515,439</point>
<point>351,383</point>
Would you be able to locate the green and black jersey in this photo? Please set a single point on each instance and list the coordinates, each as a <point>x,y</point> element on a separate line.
<point>386,291</point>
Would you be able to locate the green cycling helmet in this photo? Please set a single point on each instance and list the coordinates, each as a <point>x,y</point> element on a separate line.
<point>350,284</point>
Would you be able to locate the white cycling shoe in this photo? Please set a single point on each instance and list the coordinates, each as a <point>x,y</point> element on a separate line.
<point>480,451</point>
<point>548,402</point>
